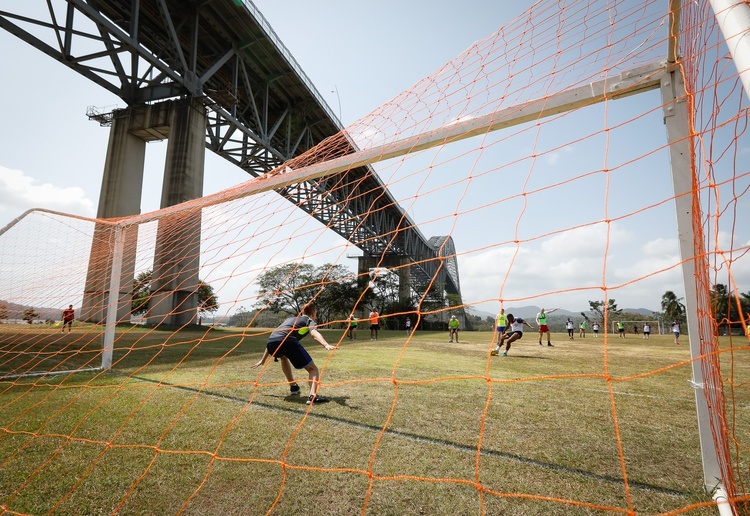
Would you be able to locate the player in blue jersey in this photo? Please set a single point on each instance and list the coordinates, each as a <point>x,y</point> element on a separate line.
<point>283,344</point>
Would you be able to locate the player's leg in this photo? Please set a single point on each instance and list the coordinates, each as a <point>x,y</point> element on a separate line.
<point>286,368</point>
<point>313,375</point>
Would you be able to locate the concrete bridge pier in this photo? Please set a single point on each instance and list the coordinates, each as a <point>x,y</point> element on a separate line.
<point>175,281</point>
<point>120,196</point>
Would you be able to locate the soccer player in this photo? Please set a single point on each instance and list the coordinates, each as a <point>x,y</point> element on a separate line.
<point>676,332</point>
<point>595,328</point>
<point>515,332</point>
<point>351,330</point>
<point>283,344</point>
<point>570,327</point>
<point>374,324</point>
<point>453,328</point>
<point>582,329</point>
<point>67,316</point>
<point>621,329</point>
<point>646,331</point>
<point>541,321</point>
<point>501,321</point>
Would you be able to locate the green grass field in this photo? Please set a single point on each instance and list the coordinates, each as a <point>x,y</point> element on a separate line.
<point>181,424</point>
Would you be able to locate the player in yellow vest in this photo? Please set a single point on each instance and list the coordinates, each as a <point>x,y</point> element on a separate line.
<point>453,328</point>
<point>501,322</point>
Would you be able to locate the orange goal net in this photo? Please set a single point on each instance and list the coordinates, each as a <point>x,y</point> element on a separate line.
<point>585,151</point>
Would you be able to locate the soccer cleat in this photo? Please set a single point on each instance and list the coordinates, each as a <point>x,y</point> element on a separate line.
<point>540,343</point>
<point>294,388</point>
<point>493,352</point>
<point>315,399</point>
<point>505,354</point>
<point>550,345</point>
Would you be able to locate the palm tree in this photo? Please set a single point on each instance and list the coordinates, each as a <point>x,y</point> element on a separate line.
<point>672,307</point>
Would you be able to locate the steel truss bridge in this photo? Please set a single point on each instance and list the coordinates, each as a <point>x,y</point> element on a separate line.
<point>261,108</point>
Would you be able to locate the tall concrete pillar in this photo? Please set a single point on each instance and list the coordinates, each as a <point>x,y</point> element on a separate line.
<point>175,282</point>
<point>120,196</point>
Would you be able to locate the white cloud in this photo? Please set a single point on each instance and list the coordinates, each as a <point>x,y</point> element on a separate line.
<point>20,192</point>
<point>569,269</point>
<point>554,157</point>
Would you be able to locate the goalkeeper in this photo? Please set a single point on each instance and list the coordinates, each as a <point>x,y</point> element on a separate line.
<point>283,344</point>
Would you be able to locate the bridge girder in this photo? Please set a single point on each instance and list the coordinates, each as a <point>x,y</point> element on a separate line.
<point>261,108</point>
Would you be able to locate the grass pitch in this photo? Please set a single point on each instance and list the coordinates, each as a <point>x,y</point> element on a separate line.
<point>416,425</point>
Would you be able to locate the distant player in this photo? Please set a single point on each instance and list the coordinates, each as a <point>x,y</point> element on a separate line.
<point>541,321</point>
<point>68,315</point>
<point>408,325</point>
<point>595,329</point>
<point>453,325</point>
<point>351,331</point>
<point>501,321</point>
<point>283,344</point>
<point>621,329</point>
<point>570,327</point>
<point>374,324</point>
<point>646,331</point>
<point>514,333</point>
<point>676,332</point>
<point>582,329</point>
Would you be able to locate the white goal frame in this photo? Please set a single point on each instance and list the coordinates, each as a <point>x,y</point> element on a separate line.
<point>656,327</point>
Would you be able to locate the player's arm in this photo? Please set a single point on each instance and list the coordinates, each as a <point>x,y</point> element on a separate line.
<point>530,326</point>
<point>262,360</point>
<point>553,310</point>
<point>315,334</point>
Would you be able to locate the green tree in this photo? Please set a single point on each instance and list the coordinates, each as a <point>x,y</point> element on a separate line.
<point>208,301</point>
<point>288,288</point>
<point>29,315</point>
<point>720,303</point>
<point>141,293</point>
<point>745,303</point>
<point>672,307</point>
<point>339,293</point>
<point>598,308</point>
<point>3,312</point>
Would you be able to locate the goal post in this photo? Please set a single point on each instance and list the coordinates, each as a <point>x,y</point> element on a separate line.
<point>637,327</point>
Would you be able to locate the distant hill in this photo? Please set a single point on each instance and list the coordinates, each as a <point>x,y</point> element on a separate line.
<point>529,312</point>
<point>15,311</point>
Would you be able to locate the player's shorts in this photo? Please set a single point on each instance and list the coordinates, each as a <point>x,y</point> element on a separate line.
<point>676,333</point>
<point>647,333</point>
<point>291,349</point>
<point>519,333</point>
<point>543,328</point>
<point>501,329</point>
<point>375,326</point>
<point>621,330</point>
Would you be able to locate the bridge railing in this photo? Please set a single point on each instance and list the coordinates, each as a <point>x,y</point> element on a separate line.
<point>266,26</point>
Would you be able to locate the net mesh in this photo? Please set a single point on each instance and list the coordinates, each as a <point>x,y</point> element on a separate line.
<point>179,422</point>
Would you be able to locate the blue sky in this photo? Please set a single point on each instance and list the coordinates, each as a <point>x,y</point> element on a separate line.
<point>360,56</point>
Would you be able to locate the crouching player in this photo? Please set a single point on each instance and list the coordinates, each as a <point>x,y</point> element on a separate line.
<point>283,344</point>
<point>515,332</point>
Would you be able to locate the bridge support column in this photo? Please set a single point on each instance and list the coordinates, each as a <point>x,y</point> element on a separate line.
<point>175,280</point>
<point>120,196</point>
